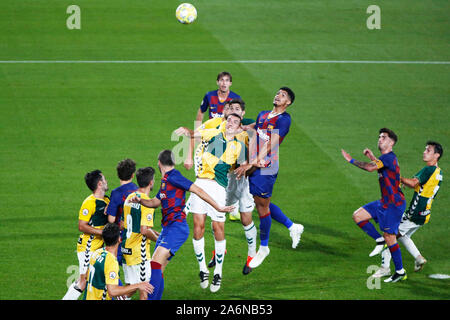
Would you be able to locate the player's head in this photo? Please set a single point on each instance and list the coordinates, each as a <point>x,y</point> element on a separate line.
<point>233,122</point>
<point>111,234</point>
<point>236,105</point>
<point>125,169</point>
<point>284,97</point>
<point>166,158</point>
<point>145,177</point>
<point>386,139</point>
<point>95,180</point>
<point>433,151</point>
<point>224,81</point>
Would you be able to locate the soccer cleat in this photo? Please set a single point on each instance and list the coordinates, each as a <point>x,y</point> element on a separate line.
<point>397,277</point>
<point>204,277</point>
<point>247,269</point>
<point>262,253</point>
<point>419,263</point>
<point>215,284</point>
<point>212,262</point>
<point>378,248</point>
<point>382,272</point>
<point>235,216</point>
<point>296,233</point>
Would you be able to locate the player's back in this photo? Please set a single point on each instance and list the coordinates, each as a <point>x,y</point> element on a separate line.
<point>135,245</point>
<point>103,270</point>
<point>118,196</point>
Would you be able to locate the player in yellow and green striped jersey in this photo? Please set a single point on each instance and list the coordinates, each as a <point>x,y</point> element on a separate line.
<point>103,273</point>
<point>91,221</point>
<point>138,223</point>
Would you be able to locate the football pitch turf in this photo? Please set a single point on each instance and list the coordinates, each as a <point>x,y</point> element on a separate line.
<point>61,119</point>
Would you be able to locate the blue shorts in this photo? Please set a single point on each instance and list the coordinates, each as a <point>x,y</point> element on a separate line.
<point>387,218</point>
<point>261,183</point>
<point>173,236</point>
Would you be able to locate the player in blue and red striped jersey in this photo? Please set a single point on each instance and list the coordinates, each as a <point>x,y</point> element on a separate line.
<point>175,230</point>
<point>214,101</point>
<point>271,129</point>
<point>125,171</point>
<point>387,211</point>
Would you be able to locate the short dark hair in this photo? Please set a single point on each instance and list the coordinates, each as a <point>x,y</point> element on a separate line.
<point>437,148</point>
<point>234,114</point>
<point>92,178</point>
<point>223,74</point>
<point>391,134</point>
<point>238,101</point>
<point>144,176</point>
<point>125,169</point>
<point>111,234</point>
<point>166,158</point>
<point>290,93</point>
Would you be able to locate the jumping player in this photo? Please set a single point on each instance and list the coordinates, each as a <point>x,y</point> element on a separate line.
<point>387,211</point>
<point>271,129</point>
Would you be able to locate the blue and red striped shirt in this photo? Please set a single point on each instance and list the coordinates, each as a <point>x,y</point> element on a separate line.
<point>389,179</point>
<point>265,127</point>
<point>172,195</point>
<point>211,101</point>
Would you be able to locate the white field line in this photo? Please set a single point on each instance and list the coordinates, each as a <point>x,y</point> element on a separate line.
<point>219,61</point>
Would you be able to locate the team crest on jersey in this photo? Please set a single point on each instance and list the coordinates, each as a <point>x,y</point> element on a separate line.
<point>112,275</point>
<point>270,127</point>
<point>163,185</point>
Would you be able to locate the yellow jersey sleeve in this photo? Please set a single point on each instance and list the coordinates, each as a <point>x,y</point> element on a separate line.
<point>211,123</point>
<point>111,270</point>
<point>87,209</point>
<point>147,215</point>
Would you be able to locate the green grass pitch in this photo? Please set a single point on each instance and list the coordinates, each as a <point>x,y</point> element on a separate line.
<point>60,120</point>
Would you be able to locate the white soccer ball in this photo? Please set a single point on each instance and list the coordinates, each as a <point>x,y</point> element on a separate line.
<point>186,13</point>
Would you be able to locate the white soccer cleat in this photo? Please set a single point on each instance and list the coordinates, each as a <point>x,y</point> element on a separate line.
<point>262,253</point>
<point>419,263</point>
<point>382,272</point>
<point>215,284</point>
<point>296,233</point>
<point>378,248</point>
<point>204,279</point>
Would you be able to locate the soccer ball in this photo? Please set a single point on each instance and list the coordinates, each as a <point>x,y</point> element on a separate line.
<point>186,13</point>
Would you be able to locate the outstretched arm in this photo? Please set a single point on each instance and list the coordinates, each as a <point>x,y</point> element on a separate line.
<point>150,203</point>
<point>411,183</point>
<point>368,166</point>
<point>204,196</point>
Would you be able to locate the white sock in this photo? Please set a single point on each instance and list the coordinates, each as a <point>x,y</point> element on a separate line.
<point>199,250</point>
<point>386,258</point>
<point>251,234</point>
<point>410,246</point>
<point>73,293</point>
<point>220,247</point>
